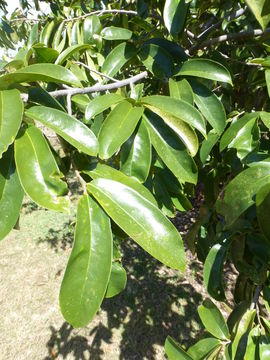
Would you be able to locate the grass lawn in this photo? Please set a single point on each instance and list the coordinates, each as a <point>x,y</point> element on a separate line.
<point>157,301</point>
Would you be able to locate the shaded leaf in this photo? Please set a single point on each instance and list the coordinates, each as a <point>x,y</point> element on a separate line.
<point>118,280</point>
<point>38,171</point>
<point>11,194</point>
<point>263,209</point>
<point>261,11</point>
<point>11,111</point>
<point>174,15</point>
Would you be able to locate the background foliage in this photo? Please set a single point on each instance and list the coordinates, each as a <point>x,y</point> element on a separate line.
<point>147,100</point>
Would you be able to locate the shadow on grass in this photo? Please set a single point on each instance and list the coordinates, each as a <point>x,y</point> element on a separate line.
<point>156,302</point>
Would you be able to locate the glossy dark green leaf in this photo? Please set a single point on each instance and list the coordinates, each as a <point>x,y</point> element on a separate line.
<point>117,128</point>
<point>205,68</point>
<point>91,29</point>
<point>101,103</point>
<point>75,35</point>
<point>136,154</point>
<point>263,209</point>
<point>58,36</point>
<point>261,11</point>
<point>174,15</point>
<point>264,346</point>
<point>89,266</point>
<point>266,297</point>
<point>107,172</point>
<point>175,351</point>
<point>39,72</point>
<point>207,145</point>
<point>11,111</point>
<point>71,129</point>
<point>177,108</point>
<point>163,197</point>
<point>46,33</point>
<point>40,96</point>
<point>118,280</point>
<point>11,194</point>
<point>181,90</point>
<point>209,105</point>
<point>214,269</point>
<point>44,54</point>
<point>213,320</point>
<point>170,149</point>
<point>66,54</point>
<point>38,171</point>
<point>33,35</point>
<point>267,79</point>
<point>203,348</point>
<point>117,58</point>
<point>239,343</point>
<point>239,193</point>
<point>141,220</point>
<point>176,51</point>
<point>115,33</point>
<point>157,60</point>
<point>235,129</point>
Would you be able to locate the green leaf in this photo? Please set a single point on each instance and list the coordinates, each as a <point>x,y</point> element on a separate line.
<point>89,266</point>
<point>117,282</point>
<point>40,96</point>
<point>177,108</point>
<point>58,36</point>
<point>214,269</point>
<point>203,348</point>
<point>175,351</point>
<point>33,36</point>
<point>71,129</point>
<point>157,60</point>
<point>117,128</point>
<point>101,103</point>
<point>209,105</point>
<point>264,346</point>
<point>45,54</point>
<point>263,209</point>
<point>170,149</point>
<point>91,29</point>
<point>235,129</point>
<point>261,11</point>
<point>163,197</point>
<point>141,220</point>
<point>207,145</point>
<point>107,172</point>
<point>39,72</point>
<point>11,194</point>
<point>267,79</point>
<point>205,68</point>
<point>115,33</point>
<point>66,54</point>
<point>174,15</point>
<point>46,33</point>
<point>266,297</point>
<point>38,171</point>
<point>239,193</point>
<point>213,320</point>
<point>136,154</point>
<point>11,111</point>
<point>239,343</point>
<point>176,51</point>
<point>117,58</point>
<point>181,90</point>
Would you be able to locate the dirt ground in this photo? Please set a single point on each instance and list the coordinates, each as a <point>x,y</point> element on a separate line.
<point>157,301</point>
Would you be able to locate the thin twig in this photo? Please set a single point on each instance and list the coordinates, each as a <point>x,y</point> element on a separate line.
<point>238,61</point>
<point>239,36</point>
<point>96,72</point>
<point>102,12</point>
<point>201,37</point>
<point>95,88</point>
<point>69,107</point>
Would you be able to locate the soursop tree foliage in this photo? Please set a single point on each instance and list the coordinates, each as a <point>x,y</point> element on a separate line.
<point>147,99</point>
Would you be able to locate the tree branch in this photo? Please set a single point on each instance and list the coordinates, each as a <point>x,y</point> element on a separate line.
<point>200,38</point>
<point>256,297</point>
<point>95,88</point>
<point>239,36</point>
<point>102,12</point>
